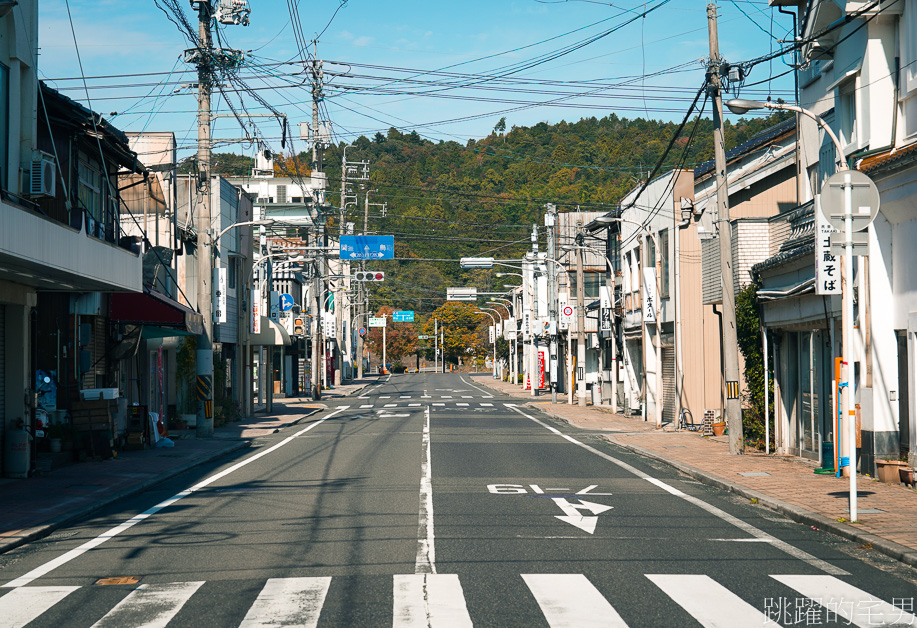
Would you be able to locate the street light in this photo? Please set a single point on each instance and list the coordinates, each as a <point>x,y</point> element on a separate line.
<point>494,319</point>
<point>740,106</point>
<point>477,262</point>
<point>255,223</point>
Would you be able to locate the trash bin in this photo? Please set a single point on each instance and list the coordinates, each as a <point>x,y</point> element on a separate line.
<point>827,455</point>
<point>16,457</point>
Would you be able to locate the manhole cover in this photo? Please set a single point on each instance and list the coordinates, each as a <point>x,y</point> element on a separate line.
<point>119,580</point>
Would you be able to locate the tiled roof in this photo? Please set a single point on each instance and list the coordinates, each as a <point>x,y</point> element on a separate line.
<point>887,158</point>
<point>762,138</point>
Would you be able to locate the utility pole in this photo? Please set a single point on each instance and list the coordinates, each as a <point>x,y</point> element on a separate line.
<point>580,320</point>
<point>318,349</point>
<point>204,369</point>
<point>730,341</point>
<point>550,223</point>
<point>533,318</point>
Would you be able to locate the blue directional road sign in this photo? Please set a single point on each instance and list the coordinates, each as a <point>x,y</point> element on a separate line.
<point>367,247</point>
<point>286,302</point>
<point>403,316</point>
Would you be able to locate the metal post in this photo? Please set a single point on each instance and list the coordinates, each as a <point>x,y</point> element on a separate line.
<point>580,323</point>
<point>848,340</point>
<point>551,225</point>
<point>733,410</point>
<point>204,356</point>
<point>435,345</point>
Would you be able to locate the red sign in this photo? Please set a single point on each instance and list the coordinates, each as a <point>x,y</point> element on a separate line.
<point>541,359</point>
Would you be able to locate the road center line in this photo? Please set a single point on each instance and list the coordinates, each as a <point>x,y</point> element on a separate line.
<point>426,554</point>
<point>65,558</point>
<point>713,510</point>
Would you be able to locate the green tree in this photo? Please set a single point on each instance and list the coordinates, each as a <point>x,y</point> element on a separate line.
<point>748,329</point>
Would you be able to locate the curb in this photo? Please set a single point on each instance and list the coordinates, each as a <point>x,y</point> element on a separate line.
<point>43,530</point>
<point>891,549</point>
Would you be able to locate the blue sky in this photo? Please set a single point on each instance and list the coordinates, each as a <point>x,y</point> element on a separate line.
<point>394,50</point>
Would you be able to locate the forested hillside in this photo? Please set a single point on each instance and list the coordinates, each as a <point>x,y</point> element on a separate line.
<point>445,200</point>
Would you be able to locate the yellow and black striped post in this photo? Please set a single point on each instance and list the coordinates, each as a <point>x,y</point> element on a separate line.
<point>205,394</point>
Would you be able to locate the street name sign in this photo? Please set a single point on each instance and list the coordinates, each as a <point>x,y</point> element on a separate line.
<point>367,247</point>
<point>403,316</point>
<point>461,294</point>
<point>377,322</point>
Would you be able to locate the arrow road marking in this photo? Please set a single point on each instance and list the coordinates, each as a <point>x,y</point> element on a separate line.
<point>573,517</point>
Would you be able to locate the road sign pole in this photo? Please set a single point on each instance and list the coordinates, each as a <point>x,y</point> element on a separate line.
<point>848,340</point>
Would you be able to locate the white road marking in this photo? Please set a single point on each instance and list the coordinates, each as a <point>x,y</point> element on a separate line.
<point>65,558</point>
<point>488,405</point>
<point>479,389</point>
<point>405,396</point>
<point>20,606</point>
<point>856,606</point>
<point>425,600</point>
<point>149,606</point>
<point>439,404</point>
<point>467,396</point>
<point>288,602</point>
<point>425,562</point>
<point>447,396</point>
<point>572,513</point>
<point>461,404</point>
<point>713,510</point>
<point>414,405</point>
<point>709,602</point>
<point>369,405</point>
<point>390,405</point>
<point>386,397</point>
<point>571,601</point>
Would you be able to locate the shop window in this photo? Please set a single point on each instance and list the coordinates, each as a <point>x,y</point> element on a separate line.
<point>908,80</point>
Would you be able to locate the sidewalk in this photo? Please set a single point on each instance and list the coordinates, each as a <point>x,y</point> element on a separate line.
<point>789,485</point>
<point>34,507</point>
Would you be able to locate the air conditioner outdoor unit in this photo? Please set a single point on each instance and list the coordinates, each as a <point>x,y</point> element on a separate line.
<point>42,179</point>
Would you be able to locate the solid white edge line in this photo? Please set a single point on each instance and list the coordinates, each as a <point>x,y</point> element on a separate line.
<point>425,561</point>
<point>478,388</point>
<point>713,510</point>
<point>65,558</point>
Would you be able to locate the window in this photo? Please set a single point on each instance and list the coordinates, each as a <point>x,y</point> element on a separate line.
<point>231,274</point>
<point>650,260</point>
<point>90,194</point>
<point>846,111</point>
<point>4,123</point>
<point>281,194</point>
<point>664,250</point>
<point>908,81</point>
<point>591,284</point>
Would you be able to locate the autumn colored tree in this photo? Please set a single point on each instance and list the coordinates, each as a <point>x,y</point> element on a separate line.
<point>291,166</point>
<point>460,323</point>
<point>400,338</point>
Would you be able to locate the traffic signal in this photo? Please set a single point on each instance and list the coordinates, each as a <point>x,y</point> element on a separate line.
<point>299,327</point>
<point>369,275</point>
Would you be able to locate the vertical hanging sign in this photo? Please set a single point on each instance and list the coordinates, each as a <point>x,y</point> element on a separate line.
<point>649,295</point>
<point>827,266</point>
<point>255,326</point>
<point>220,276</point>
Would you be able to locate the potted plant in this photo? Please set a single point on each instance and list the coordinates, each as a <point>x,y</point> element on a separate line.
<point>887,470</point>
<point>906,475</point>
<point>719,428</point>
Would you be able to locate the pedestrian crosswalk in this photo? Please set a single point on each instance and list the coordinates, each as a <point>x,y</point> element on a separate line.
<point>561,600</point>
<point>409,404</point>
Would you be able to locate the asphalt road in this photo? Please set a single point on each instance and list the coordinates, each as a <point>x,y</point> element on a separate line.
<point>430,501</point>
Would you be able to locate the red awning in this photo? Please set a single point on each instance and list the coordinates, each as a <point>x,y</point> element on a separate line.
<point>154,308</point>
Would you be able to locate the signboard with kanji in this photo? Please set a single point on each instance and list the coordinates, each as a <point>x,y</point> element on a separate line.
<point>367,247</point>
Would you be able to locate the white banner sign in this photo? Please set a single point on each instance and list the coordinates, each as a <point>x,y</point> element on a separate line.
<point>330,327</point>
<point>255,326</point>
<point>566,312</point>
<point>526,325</point>
<point>650,304</point>
<point>509,329</point>
<point>220,285</point>
<point>827,266</point>
<point>490,329</point>
<point>377,322</point>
